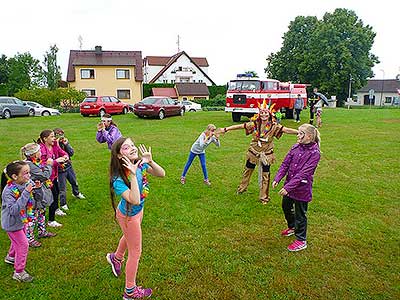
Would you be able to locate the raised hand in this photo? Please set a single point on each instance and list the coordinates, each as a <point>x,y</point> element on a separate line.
<point>132,167</point>
<point>146,154</point>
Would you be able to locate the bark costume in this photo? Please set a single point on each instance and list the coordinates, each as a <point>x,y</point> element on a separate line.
<point>261,152</point>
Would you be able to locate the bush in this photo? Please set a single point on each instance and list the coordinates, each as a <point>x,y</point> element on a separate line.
<point>216,90</point>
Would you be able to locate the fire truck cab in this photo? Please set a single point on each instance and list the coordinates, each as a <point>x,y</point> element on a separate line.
<point>245,93</point>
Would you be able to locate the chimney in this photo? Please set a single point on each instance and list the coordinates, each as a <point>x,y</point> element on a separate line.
<point>98,50</point>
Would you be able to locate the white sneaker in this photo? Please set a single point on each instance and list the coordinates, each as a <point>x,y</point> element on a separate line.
<point>65,207</point>
<point>80,196</point>
<point>59,212</point>
<point>54,224</point>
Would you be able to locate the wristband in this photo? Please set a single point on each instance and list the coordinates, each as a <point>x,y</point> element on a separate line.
<point>225,130</point>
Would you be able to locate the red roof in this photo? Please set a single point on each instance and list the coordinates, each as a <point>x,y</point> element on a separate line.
<point>163,60</point>
<point>192,89</point>
<point>167,92</point>
<point>99,57</point>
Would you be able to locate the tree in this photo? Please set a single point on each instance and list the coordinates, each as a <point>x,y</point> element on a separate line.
<point>24,72</point>
<point>52,72</point>
<point>326,53</point>
<point>251,73</point>
<point>4,69</point>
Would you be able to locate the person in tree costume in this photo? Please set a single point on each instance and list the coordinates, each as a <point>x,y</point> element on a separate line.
<point>263,128</point>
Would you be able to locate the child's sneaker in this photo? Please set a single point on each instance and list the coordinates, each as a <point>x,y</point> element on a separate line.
<point>287,232</point>
<point>207,182</point>
<point>80,196</point>
<point>138,293</point>
<point>183,180</point>
<point>297,246</point>
<point>115,264</point>
<point>54,224</point>
<point>34,244</point>
<point>46,234</point>
<point>9,260</point>
<point>65,207</point>
<point>59,212</point>
<point>22,277</point>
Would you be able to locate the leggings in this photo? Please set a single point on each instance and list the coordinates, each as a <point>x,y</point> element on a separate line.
<point>53,207</point>
<point>39,219</point>
<point>202,157</point>
<point>131,240</point>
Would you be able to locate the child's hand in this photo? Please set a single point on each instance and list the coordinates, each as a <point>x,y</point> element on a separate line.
<point>283,192</point>
<point>146,154</point>
<point>100,126</point>
<point>132,167</point>
<point>29,186</point>
<point>38,184</point>
<point>219,131</point>
<point>49,161</point>
<point>274,184</point>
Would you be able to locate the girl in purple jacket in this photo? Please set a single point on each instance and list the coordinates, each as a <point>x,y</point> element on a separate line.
<point>107,131</point>
<point>299,167</point>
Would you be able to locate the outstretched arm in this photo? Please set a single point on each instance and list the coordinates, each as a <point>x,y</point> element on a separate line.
<point>229,128</point>
<point>289,130</point>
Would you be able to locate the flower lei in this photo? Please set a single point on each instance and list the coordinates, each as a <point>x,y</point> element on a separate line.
<point>145,182</point>
<point>28,215</point>
<point>265,131</point>
<point>38,162</point>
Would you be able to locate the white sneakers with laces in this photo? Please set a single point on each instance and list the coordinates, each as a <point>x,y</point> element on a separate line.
<point>59,212</point>
<point>54,224</point>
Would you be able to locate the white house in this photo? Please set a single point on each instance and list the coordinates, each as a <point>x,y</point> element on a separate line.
<point>385,92</point>
<point>179,68</point>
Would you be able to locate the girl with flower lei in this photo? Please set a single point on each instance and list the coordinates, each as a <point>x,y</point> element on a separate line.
<point>40,172</point>
<point>128,180</point>
<point>263,128</point>
<point>16,212</point>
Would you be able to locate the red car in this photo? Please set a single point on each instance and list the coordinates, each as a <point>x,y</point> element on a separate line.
<point>100,105</point>
<point>158,106</point>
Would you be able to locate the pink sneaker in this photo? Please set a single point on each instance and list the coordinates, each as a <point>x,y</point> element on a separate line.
<point>297,246</point>
<point>287,232</point>
<point>138,293</point>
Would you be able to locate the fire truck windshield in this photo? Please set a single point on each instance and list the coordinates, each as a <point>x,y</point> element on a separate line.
<point>244,85</point>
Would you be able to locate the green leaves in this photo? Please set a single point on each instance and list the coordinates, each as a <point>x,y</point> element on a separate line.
<point>325,53</point>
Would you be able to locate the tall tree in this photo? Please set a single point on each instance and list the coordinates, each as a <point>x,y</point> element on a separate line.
<point>326,53</point>
<point>25,72</point>
<point>4,69</point>
<point>52,71</point>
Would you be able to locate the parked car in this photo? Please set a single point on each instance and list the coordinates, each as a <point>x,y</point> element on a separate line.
<point>191,106</point>
<point>100,105</point>
<point>41,110</point>
<point>12,107</point>
<point>158,106</point>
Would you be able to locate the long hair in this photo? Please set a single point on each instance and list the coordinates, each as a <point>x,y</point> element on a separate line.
<point>11,169</point>
<point>44,134</point>
<point>117,170</point>
<point>314,132</point>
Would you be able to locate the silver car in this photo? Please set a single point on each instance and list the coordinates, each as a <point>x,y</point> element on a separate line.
<point>41,110</point>
<point>12,107</point>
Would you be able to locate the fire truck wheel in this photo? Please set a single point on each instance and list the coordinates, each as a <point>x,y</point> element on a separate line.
<point>236,117</point>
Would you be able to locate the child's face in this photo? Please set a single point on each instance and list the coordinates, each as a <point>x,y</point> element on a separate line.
<point>37,154</point>
<point>23,176</point>
<point>303,137</point>
<point>264,114</point>
<point>129,150</point>
<point>50,139</point>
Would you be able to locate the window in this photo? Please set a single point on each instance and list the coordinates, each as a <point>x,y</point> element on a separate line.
<point>124,94</point>
<point>123,74</point>
<point>165,80</point>
<point>89,92</point>
<point>388,100</point>
<point>87,73</point>
<point>113,99</point>
<point>105,99</point>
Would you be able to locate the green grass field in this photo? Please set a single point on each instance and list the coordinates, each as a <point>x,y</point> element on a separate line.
<point>203,242</point>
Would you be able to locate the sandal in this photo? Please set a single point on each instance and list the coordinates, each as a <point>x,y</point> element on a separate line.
<point>265,201</point>
<point>35,244</point>
<point>47,234</point>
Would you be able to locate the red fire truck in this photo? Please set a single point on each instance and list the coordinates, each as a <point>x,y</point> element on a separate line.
<point>244,93</point>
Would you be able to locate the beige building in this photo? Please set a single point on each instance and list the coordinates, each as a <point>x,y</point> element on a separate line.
<point>107,73</point>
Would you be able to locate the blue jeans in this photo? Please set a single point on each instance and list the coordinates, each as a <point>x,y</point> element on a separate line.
<point>69,175</point>
<point>202,157</point>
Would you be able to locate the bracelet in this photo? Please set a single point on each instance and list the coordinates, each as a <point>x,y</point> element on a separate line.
<point>225,130</point>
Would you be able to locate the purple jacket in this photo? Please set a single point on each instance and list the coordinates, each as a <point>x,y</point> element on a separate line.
<point>110,135</point>
<point>299,166</point>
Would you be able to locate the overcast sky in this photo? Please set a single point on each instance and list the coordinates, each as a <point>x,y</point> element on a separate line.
<point>234,36</point>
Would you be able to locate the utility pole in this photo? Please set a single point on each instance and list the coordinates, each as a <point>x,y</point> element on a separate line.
<point>349,97</point>
<point>383,84</point>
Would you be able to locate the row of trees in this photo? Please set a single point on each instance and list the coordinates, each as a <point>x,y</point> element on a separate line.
<point>25,72</point>
<point>326,53</point>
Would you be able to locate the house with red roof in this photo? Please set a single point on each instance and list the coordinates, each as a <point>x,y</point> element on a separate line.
<point>107,73</point>
<point>179,68</point>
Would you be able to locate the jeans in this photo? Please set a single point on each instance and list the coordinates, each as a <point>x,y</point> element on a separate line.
<point>202,157</point>
<point>69,175</point>
<point>298,111</point>
<point>53,207</point>
<point>296,216</point>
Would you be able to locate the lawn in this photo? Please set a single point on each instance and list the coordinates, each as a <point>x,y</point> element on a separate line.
<point>203,242</point>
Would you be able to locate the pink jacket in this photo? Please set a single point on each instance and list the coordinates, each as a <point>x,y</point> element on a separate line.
<point>54,153</point>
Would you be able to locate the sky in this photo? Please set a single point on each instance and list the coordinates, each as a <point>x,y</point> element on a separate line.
<point>235,36</point>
